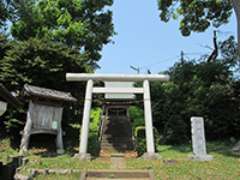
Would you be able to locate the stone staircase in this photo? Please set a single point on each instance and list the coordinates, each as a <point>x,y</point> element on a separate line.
<point>117,175</point>
<point>116,136</point>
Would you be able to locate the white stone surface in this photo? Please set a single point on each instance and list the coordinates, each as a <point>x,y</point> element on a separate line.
<point>236,148</point>
<point>86,119</point>
<point>198,140</point>
<point>109,84</point>
<point>148,118</point>
<point>116,77</point>
<point>3,107</point>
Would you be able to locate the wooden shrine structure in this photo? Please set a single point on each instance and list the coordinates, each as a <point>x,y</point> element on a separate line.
<point>44,114</point>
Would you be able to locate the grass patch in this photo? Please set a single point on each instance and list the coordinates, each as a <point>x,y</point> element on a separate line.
<point>173,165</point>
<point>176,165</point>
<point>6,150</point>
<point>62,162</point>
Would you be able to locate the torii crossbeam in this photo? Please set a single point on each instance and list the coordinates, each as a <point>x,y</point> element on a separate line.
<point>90,89</point>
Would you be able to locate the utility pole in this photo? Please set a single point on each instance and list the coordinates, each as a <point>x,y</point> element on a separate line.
<point>182,57</point>
<point>213,56</point>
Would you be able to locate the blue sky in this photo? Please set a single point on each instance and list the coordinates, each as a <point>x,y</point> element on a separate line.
<point>144,41</point>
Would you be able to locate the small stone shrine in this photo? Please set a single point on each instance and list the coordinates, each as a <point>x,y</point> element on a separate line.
<point>44,114</point>
<point>198,140</point>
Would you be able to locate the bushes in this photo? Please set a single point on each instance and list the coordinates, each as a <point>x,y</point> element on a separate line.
<point>95,121</point>
<point>137,116</point>
<point>138,124</point>
<point>206,89</point>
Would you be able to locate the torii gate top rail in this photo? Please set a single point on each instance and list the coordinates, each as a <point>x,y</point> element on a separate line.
<point>116,77</point>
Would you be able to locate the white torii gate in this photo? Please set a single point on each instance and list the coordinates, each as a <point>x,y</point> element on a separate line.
<point>90,89</point>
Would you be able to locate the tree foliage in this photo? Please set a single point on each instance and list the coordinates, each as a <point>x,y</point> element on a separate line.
<point>196,15</point>
<point>49,38</point>
<point>3,13</point>
<point>206,89</point>
<point>83,25</point>
<point>40,62</point>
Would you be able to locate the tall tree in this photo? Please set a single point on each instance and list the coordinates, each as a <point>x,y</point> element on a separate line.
<point>198,15</point>
<point>50,38</point>
<point>82,25</point>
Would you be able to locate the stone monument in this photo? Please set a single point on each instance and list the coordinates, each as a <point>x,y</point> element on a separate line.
<point>198,140</point>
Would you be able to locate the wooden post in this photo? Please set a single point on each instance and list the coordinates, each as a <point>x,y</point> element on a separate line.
<point>27,130</point>
<point>59,139</point>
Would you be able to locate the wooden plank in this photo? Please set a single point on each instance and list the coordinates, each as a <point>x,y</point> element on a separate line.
<point>59,139</point>
<point>43,131</point>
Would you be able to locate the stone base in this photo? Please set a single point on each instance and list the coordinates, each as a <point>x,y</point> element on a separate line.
<point>23,152</point>
<point>201,158</point>
<point>236,147</point>
<point>60,151</point>
<point>83,156</point>
<point>151,156</point>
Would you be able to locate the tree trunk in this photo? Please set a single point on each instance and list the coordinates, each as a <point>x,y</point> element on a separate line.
<point>236,7</point>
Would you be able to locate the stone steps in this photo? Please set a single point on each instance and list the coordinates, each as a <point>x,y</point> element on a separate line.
<point>116,146</point>
<point>117,140</point>
<point>117,136</point>
<point>117,174</point>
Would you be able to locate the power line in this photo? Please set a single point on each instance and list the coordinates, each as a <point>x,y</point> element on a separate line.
<point>158,62</point>
<point>225,33</point>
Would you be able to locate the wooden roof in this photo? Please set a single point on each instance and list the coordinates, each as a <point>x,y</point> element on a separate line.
<point>5,95</point>
<point>50,94</point>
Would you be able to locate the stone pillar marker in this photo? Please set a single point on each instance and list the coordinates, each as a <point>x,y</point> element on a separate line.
<point>198,140</point>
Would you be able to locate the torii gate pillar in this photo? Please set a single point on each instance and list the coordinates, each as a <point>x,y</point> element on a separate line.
<point>148,119</point>
<point>85,123</point>
<point>150,154</point>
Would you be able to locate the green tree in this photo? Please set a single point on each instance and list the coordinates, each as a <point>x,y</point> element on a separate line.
<point>199,88</point>
<point>50,38</point>
<point>40,62</point>
<point>82,25</point>
<point>3,13</point>
<point>198,15</point>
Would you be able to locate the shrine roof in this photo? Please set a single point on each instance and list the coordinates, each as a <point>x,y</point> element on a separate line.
<point>51,94</point>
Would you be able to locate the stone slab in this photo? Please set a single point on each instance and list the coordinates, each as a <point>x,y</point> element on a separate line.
<point>198,140</point>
